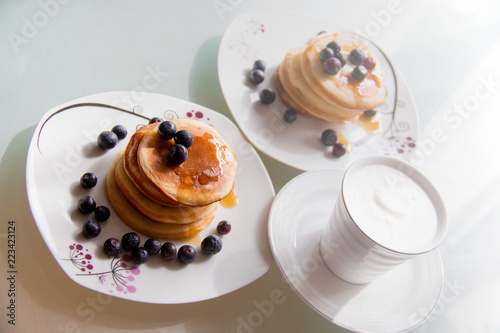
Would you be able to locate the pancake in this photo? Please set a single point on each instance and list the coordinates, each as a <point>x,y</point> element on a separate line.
<point>205,177</point>
<point>304,95</point>
<point>153,210</point>
<point>135,174</point>
<point>143,224</point>
<point>364,95</point>
<point>285,98</point>
<point>303,85</point>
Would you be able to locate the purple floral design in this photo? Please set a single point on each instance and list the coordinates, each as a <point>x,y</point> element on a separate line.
<point>122,270</point>
<point>244,42</point>
<point>80,258</point>
<point>394,139</point>
<point>196,115</point>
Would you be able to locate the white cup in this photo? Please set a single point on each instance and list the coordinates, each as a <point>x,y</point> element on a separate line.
<point>387,213</point>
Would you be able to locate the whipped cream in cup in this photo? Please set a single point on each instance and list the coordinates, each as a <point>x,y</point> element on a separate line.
<point>387,213</point>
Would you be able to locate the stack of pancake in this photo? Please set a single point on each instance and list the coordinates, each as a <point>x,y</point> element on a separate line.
<point>303,85</point>
<point>166,200</point>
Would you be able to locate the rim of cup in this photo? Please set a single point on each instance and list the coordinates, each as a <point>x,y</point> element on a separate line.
<point>421,180</point>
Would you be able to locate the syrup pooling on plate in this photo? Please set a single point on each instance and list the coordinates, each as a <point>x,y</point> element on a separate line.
<point>230,201</point>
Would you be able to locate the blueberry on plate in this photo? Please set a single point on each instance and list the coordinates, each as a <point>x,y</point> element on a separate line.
<point>91,229</point>
<point>223,227</point>
<point>168,251</point>
<point>290,116</point>
<point>267,96</point>
<point>325,54</point>
<point>86,204</point>
<point>184,137</point>
<point>155,120</point>
<point>370,63</point>
<point>178,154</point>
<point>339,149</point>
<point>332,66</point>
<point>112,247</point>
<point>329,137</point>
<point>335,46</point>
<point>186,254</point>
<point>370,113</point>
<point>88,180</point>
<point>102,213</point>
<point>211,245</point>
<point>120,131</point>
<point>130,241</point>
<point>166,130</point>
<point>359,73</point>
<point>259,64</point>
<point>153,246</point>
<point>139,255</point>
<point>256,76</point>
<point>357,56</point>
<point>107,140</point>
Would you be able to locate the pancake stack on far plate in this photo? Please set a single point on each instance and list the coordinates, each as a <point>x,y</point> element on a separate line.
<point>303,84</point>
<point>166,200</point>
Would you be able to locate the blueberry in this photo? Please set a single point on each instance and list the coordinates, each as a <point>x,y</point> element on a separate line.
<point>370,63</point>
<point>112,247</point>
<point>177,154</point>
<point>88,180</point>
<point>186,254</point>
<point>325,54</point>
<point>139,255</point>
<point>342,59</point>
<point>256,76</point>
<point>357,56</point>
<point>370,113</point>
<point>120,131</point>
<point>259,64</point>
<point>155,120</point>
<point>91,229</point>
<point>102,213</point>
<point>168,251</point>
<point>339,149</point>
<point>223,227</point>
<point>329,137</point>
<point>359,73</point>
<point>332,66</point>
<point>290,116</point>
<point>86,205</point>
<point>184,137</point>
<point>166,130</point>
<point>267,96</point>
<point>107,140</point>
<point>153,246</point>
<point>211,245</point>
<point>130,241</point>
<point>335,46</point>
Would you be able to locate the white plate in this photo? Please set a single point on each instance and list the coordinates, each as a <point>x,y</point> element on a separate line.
<point>268,36</point>
<point>64,147</point>
<point>398,301</point>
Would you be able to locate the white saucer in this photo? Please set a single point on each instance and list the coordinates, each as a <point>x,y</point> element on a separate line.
<point>398,301</point>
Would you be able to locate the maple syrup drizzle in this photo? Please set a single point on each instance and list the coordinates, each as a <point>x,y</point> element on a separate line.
<point>230,201</point>
<point>370,124</point>
<point>342,139</point>
<point>192,240</point>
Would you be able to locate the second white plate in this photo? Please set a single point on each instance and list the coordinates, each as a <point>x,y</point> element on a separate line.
<point>268,36</point>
